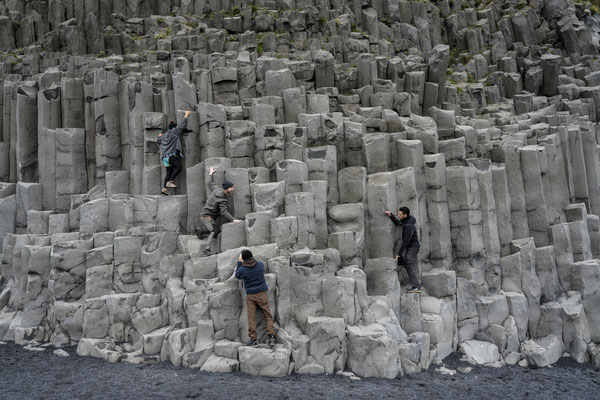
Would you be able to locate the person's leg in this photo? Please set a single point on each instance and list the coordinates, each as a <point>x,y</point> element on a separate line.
<point>262,301</point>
<point>175,162</point>
<point>167,176</point>
<point>411,267</point>
<point>211,224</point>
<point>251,309</point>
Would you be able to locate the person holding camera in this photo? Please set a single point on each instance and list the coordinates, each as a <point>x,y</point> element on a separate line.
<point>407,254</point>
<point>252,272</point>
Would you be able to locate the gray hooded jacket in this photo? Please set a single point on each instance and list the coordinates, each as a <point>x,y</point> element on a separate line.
<point>170,142</point>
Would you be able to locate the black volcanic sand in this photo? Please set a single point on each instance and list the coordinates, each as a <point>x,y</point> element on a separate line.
<point>42,375</point>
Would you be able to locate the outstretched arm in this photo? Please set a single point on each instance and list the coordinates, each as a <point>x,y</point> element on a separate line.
<point>180,128</point>
<point>394,219</point>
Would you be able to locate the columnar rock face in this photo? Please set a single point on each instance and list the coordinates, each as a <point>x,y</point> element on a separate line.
<point>482,118</point>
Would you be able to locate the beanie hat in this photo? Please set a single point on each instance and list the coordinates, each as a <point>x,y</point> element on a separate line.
<point>226,185</point>
<point>172,124</point>
<point>246,254</point>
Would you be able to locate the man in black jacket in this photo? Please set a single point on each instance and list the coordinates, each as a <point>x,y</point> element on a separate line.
<point>407,254</point>
<point>216,211</point>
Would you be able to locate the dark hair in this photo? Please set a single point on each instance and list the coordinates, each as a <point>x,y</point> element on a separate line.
<point>405,210</point>
<point>246,254</point>
<point>226,185</point>
<point>172,124</point>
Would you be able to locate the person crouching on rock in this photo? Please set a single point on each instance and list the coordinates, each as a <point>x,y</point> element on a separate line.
<point>407,254</point>
<point>171,152</point>
<point>215,211</point>
<point>253,274</point>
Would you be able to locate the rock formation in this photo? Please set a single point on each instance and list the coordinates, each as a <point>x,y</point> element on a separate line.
<point>480,116</point>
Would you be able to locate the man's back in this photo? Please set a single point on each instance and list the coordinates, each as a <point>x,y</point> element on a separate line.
<point>252,272</point>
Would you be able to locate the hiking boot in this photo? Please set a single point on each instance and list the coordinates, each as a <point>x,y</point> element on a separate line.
<point>206,253</point>
<point>415,290</point>
<point>252,342</point>
<point>165,191</point>
<point>271,340</point>
<point>171,184</point>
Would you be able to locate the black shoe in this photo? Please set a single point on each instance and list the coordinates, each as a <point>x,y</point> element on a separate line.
<point>415,290</point>
<point>271,340</point>
<point>252,342</point>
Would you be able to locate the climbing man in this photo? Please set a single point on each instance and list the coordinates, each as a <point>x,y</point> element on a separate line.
<point>171,152</point>
<point>407,254</point>
<point>216,211</point>
<point>253,274</point>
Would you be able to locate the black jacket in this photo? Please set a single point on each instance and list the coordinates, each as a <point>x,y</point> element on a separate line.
<point>410,238</point>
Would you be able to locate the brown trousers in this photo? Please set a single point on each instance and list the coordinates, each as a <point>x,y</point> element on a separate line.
<point>252,302</point>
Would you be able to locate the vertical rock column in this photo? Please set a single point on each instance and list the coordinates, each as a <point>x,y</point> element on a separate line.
<point>212,130</point>
<point>71,174</point>
<point>580,183</point>
<point>239,143</point>
<point>4,150</point>
<point>27,133</point>
<point>510,157</point>
<point>302,206</point>
<point>140,102</point>
<point>322,165</point>
<point>464,204</point>
<point>319,192</point>
<point>592,165</point>
<point>503,207</point>
<point>381,196</point>
<point>268,146</point>
<point>534,195</point>
<point>72,103</point>
<point>49,118</point>
<point>558,197</point>
<point>106,112</point>
<point>225,86</point>
<point>90,127</point>
<point>296,140</point>
<point>8,125</point>
<point>530,282</point>
<point>438,216</point>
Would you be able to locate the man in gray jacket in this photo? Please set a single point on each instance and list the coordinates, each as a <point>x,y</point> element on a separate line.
<point>216,211</point>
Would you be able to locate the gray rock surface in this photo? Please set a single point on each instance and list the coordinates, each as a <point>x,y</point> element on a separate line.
<point>482,119</point>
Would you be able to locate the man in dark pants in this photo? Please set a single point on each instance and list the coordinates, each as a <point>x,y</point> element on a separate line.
<point>216,211</point>
<point>171,152</point>
<point>253,274</point>
<point>407,254</point>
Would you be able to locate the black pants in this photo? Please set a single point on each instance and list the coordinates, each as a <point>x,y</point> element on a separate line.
<point>173,170</point>
<point>411,259</point>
